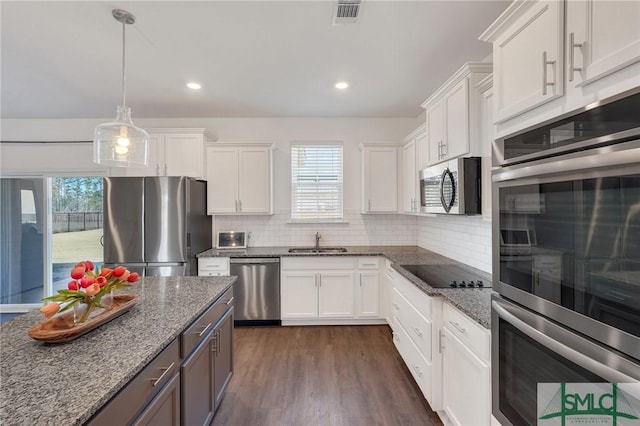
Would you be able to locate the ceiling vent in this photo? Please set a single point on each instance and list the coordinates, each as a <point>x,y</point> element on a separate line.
<point>346,12</point>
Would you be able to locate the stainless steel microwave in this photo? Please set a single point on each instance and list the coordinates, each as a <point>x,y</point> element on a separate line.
<point>451,187</point>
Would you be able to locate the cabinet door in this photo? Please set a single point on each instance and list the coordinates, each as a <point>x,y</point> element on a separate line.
<point>222,180</point>
<point>155,154</point>
<point>456,113</point>
<point>196,375</point>
<point>435,132</point>
<point>422,151</point>
<point>528,58</point>
<point>381,180</point>
<point>336,294</point>
<point>183,155</point>
<point>609,35</point>
<point>410,177</point>
<point>369,294</point>
<point>466,384</point>
<point>254,180</point>
<point>164,409</point>
<point>223,357</point>
<point>299,294</point>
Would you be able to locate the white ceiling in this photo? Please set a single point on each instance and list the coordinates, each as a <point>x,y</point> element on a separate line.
<point>253,58</point>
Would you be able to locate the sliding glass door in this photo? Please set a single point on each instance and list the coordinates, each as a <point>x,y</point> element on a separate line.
<point>47,224</point>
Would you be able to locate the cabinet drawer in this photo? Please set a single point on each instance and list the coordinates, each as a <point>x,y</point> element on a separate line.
<point>421,369</point>
<point>419,299</point>
<point>416,326</point>
<point>368,263</point>
<point>220,264</point>
<point>135,396</point>
<point>202,326</point>
<point>317,263</point>
<point>473,335</point>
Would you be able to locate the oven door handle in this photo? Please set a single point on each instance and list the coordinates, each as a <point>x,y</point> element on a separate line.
<point>610,374</point>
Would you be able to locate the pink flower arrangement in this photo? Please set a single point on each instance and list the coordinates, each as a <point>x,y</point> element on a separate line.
<point>88,286</point>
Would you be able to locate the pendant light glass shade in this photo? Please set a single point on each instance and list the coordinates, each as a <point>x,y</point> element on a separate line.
<point>120,143</point>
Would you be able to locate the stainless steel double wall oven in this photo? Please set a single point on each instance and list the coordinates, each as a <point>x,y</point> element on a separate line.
<point>566,255</point>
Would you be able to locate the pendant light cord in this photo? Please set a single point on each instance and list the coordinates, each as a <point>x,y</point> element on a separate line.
<point>124,103</point>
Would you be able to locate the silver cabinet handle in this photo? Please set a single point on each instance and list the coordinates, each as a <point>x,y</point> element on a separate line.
<point>441,336</point>
<point>236,205</point>
<point>572,47</point>
<point>239,205</point>
<point>205,329</point>
<point>417,370</point>
<point>444,149</point>
<point>458,327</point>
<point>228,302</point>
<point>164,373</point>
<point>395,305</point>
<point>417,331</point>
<point>545,64</point>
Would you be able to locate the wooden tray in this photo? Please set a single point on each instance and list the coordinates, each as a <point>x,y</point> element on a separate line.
<point>61,329</point>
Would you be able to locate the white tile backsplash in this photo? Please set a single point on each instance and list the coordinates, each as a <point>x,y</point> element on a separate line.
<point>358,230</point>
<point>466,239</point>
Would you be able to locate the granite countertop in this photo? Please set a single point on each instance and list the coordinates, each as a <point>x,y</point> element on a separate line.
<point>475,302</point>
<point>65,384</point>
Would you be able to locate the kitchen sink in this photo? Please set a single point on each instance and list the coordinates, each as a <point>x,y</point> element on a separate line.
<point>320,250</point>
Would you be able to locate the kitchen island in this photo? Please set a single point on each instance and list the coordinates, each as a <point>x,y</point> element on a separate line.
<point>68,383</point>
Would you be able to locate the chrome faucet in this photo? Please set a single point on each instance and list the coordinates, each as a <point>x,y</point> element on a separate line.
<point>318,236</point>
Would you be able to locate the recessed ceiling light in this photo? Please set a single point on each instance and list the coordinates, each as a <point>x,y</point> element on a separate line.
<point>342,85</point>
<point>194,86</point>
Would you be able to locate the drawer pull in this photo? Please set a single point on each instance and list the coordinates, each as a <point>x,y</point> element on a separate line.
<point>417,370</point>
<point>205,329</point>
<point>164,373</point>
<point>228,302</point>
<point>458,327</point>
<point>395,305</point>
<point>417,331</point>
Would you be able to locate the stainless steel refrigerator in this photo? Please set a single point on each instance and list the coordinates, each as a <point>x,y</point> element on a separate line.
<point>155,225</point>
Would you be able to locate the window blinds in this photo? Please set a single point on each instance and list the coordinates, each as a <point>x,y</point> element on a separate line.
<point>316,181</point>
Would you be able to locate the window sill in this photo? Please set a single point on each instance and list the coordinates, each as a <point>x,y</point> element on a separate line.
<point>315,221</point>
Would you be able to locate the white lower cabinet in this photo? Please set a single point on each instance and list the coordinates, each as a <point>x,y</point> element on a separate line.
<point>466,370</point>
<point>329,290</point>
<point>415,316</point>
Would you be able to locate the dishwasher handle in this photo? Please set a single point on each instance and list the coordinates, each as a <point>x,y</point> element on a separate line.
<point>248,260</point>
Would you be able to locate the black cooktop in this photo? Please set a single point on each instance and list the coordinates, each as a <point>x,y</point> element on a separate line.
<point>447,276</point>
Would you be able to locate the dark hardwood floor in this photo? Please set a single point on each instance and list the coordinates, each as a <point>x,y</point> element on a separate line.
<point>329,376</point>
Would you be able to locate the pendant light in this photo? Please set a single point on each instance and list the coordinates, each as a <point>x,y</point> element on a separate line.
<point>121,143</point>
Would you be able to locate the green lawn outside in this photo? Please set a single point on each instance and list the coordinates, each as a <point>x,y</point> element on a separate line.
<point>73,247</point>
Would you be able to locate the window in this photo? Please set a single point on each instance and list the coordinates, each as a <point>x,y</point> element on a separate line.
<point>47,224</point>
<point>316,182</point>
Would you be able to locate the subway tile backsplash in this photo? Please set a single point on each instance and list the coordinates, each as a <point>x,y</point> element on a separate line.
<point>466,239</point>
<point>359,230</point>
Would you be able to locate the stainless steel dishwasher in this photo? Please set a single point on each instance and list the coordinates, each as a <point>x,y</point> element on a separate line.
<point>257,290</point>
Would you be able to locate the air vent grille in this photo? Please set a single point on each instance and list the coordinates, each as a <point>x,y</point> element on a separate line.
<point>346,12</point>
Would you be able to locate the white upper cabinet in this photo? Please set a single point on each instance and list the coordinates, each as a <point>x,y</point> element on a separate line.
<point>239,179</point>
<point>379,179</point>
<point>602,38</point>
<point>173,152</point>
<point>453,115</point>
<point>529,56</point>
<point>414,159</point>
<point>553,57</point>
